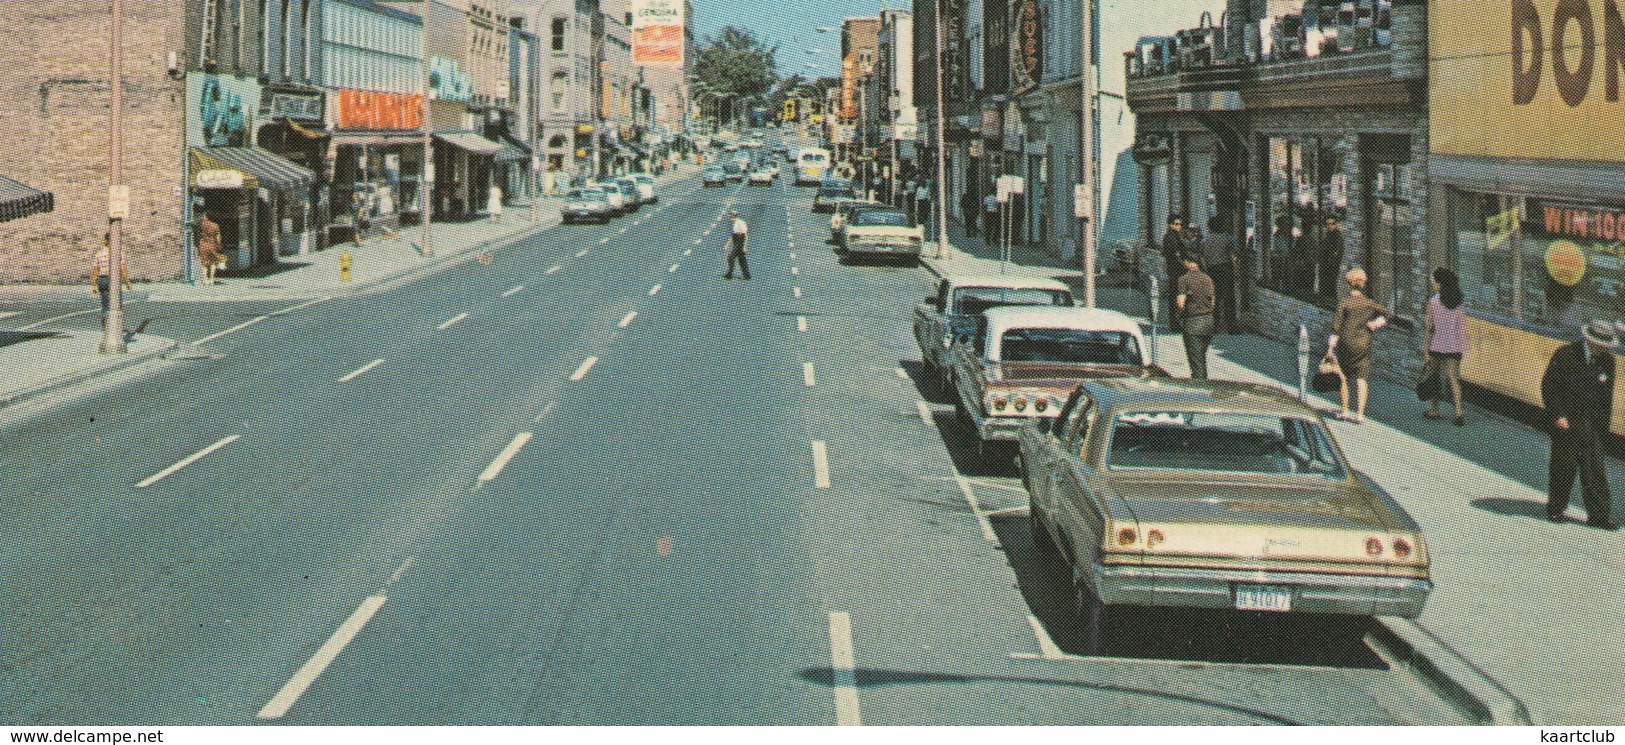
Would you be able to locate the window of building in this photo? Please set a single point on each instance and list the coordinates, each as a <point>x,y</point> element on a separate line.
<point>306,38</point>
<point>560,86</point>
<point>559,26</point>
<point>1306,184</point>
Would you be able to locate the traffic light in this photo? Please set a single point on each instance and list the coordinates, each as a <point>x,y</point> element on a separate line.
<point>789,114</point>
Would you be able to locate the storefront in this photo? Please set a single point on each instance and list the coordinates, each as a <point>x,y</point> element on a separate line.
<point>463,169</point>
<point>376,157</point>
<point>259,199</point>
<point>296,129</point>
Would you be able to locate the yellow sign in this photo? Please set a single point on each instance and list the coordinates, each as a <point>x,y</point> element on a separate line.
<point>1566,263</point>
<point>1526,79</point>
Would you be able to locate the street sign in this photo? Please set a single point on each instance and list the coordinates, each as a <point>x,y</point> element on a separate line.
<point>1007,185</point>
<point>118,202</point>
<point>1081,203</point>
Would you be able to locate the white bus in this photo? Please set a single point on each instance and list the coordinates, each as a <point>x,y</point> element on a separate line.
<point>811,166</point>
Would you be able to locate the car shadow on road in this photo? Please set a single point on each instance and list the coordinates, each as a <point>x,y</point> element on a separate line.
<point>972,458</point>
<point>928,389</point>
<point>1180,634</point>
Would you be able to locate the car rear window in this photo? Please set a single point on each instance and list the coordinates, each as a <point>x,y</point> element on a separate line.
<point>1070,346</point>
<point>973,300</point>
<point>1222,441</point>
<point>880,217</point>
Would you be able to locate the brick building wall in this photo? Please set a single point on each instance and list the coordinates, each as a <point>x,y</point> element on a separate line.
<point>54,114</point>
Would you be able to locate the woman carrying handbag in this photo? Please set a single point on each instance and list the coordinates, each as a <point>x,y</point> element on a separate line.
<point>1446,327</point>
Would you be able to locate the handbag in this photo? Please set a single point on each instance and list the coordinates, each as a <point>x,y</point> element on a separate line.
<point>1328,377</point>
<point>1429,386</point>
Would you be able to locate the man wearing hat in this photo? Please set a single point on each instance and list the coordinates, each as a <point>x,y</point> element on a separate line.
<point>736,249</point>
<point>1578,393</point>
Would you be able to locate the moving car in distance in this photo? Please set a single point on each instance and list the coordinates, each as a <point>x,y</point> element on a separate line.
<point>1021,363</point>
<point>646,187</point>
<point>617,198</point>
<point>1214,494</point>
<point>714,176</point>
<point>761,176</point>
<point>952,311</point>
<point>587,203</point>
<point>881,232</point>
<point>812,165</point>
<point>831,193</point>
<point>629,189</point>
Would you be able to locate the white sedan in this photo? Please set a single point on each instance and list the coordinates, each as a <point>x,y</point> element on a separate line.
<point>761,176</point>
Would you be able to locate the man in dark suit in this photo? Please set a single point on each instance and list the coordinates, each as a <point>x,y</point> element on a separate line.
<point>1578,392</point>
<point>1174,247</point>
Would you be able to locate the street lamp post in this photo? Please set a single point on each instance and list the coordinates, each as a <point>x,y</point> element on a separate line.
<point>1088,200</point>
<point>113,323</point>
<point>426,172</point>
<point>944,251</point>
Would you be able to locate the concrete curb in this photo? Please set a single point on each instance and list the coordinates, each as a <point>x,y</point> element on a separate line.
<point>1454,677</point>
<point>80,376</point>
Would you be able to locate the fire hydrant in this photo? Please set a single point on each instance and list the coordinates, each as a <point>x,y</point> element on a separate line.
<point>344,267</point>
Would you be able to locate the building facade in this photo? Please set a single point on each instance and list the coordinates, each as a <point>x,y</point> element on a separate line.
<point>569,33</point>
<point>892,95</point>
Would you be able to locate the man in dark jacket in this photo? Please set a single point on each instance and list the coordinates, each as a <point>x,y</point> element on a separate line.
<point>1219,257</point>
<point>969,206</point>
<point>1578,393</point>
<point>1174,247</point>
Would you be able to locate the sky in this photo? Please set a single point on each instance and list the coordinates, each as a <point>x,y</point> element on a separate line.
<point>793,24</point>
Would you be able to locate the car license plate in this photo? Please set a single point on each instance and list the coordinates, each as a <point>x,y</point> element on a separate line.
<point>1264,597</point>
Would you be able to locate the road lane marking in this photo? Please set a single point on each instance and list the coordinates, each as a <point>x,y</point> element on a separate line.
<point>602,241</point>
<point>452,321</point>
<point>707,231</point>
<point>313,668</point>
<point>672,269</point>
<point>796,290</point>
<point>807,374</point>
<point>553,269</point>
<point>901,373</point>
<point>511,292</point>
<point>976,509</point>
<point>503,457</point>
<point>399,571</point>
<point>1046,645</point>
<point>627,320</point>
<point>801,323</point>
<point>581,372</point>
<point>653,290</point>
<point>792,257</point>
<point>820,464</point>
<point>687,251</point>
<point>697,241</point>
<point>361,371</point>
<point>795,270</point>
<point>843,665</point>
<point>189,460</point>
<point>548,409</point>
<point>64,316</point>
<point>792,245</point>
<point>252,321</point>
<point>622,231</point>
<point>11,313</point>
<point>925,413</point>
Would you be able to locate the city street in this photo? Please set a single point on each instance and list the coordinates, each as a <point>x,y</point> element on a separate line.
<point>587,483</point>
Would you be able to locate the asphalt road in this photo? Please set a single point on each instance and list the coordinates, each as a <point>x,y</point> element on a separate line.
<point>586,501</point>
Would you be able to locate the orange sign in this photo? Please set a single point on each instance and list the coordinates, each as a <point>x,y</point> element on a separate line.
<point>368,110</point>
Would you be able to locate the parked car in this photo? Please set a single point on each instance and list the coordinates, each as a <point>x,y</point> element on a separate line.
<point>1021,363</point>
<point>886,232</point>
<point>832,192</point>
<point>734,170</point>
<point>629,188</point>
<point>1214,494</point>
<point>646,187</point>
<point>714,176</point>
<point>587,204</point>
<point>761,176</point>
<point>952,310</point>
<point>617,198</point>
<point>843,211</point>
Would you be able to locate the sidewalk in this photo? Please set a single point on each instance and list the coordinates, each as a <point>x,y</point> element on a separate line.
<point>54,359</point>
<point>1533,605</point>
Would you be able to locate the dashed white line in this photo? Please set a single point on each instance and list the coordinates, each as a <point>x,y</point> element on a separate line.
<point>707,231</point>
<point>581,253</point>
<point>627,320</point>
<point>189,460</point>
<point>361,371</point>
<point>548,409</point>
<point>925,412</point>
<point>820,464</point>
<point>792,257</point>
<point>697,241</point>
<point>399,572</point>
<point>622,231</point>
<point>11,313</point>
<point>796,290</point>
<point>792,245</point>
<point>844,666</point>
<point>795,270</point>
<point>687,251</point>
<point>603,240</point>
<point>581,372</point>
<point>801,323</point>
<point>512,292</point>
<point>807,374</point>
<point>672,269</point>
<point>252,321</point>
<point>976,509</point>
<point>451,321</point>
<point>329,651</point>
<point>653,290</point>
<point>552,269</point>
<point>503,457</point>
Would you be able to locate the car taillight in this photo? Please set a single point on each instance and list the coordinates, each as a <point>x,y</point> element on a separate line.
<point>999,403</point>
<point>1041,404</point>
<point>1402,548</point>
<point>1153,537</point>
<point>1373,547</point>
<point>1126,536</point>
<point>1021,403</point>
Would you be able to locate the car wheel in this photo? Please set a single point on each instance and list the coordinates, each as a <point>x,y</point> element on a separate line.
<point>1093,616</point>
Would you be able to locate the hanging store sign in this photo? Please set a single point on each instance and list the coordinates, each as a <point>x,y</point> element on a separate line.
<point>369,110</point>
<point>1028,46</point>
<point>297,106</point>
<point>223,109</point>
<point>658,32</point>
<point>218,178</point>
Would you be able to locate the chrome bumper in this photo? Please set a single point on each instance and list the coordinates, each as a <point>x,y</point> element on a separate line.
<point>1000,427</point>
<point>1216,588</point>
<point>911,249</point>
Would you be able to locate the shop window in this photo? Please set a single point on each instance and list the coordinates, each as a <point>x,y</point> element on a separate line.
<point>1307,187</point>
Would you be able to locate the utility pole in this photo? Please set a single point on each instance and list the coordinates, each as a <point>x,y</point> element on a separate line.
<point>426,171</point>
<point>117,192</point>
<point>1088,201</point>
<point>944,251</point>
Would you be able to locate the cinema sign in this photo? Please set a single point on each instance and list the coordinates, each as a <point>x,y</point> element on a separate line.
<point>1527,78</point>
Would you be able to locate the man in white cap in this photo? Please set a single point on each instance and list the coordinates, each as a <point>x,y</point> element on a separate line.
<point>1578,393</point>
<point>736,247</point>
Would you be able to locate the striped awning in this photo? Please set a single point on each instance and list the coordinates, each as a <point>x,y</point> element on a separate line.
<point>512,152</point>
<point>261,167</point>
<point>469,142</point>
<point>18,200</point>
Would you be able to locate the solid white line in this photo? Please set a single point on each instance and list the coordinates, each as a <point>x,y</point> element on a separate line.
<point>1046,645</point>
<point>452,321</point>
<point>363,369</point>
<point>795,270</point>
<point>976,509</point>
<point>843,665</point>
<point>687,251</point>
<point>901,373</point>
<point>554,269</point>
<point>796,290</point>
<point>807,374</point>
<point>581,372</point>
<point>653,290</point>
<point>801,323</point>
<point>11,313</point>
<point>548,409</point>
<point>672,269</point>
<point>513,291</point>
<point>313,668</point>
<point>58,318</point>
<point>252,321</point>
<point>820,464</point>
<point>925,413</point>
<point>190,459</point>
<point>581,253</point>
<point>627,320</point>
<point>503,457</point>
